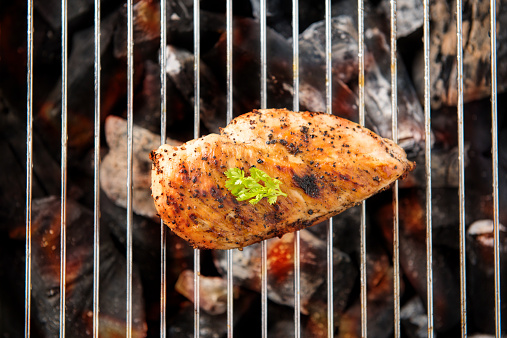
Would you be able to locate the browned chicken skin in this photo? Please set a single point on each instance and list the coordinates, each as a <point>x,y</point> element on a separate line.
<point>326,164</point>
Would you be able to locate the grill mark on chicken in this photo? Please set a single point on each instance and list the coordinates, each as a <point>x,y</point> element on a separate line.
<point>308,184</point>
<point>326,165</point>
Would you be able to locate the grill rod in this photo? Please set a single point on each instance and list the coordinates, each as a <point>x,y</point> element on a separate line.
<point>461,166</point>
<point>494,159</point>
<point>360,55</point>
<point>230,291</point>
<point>427,157</point>
<point>64,151</point>
<point>130,113</point>
<point>29,167</point>
<point>96,173</point>
<point>295,106</point>
<point>163,137</point>
<point>329,110</point>
<point>394,130</point>
<point>197,118</point>
<point>263,98</point>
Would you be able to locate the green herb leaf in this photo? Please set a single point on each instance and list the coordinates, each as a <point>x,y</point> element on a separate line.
<point>249,188</point>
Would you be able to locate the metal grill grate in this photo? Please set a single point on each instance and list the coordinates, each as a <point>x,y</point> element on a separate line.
<point>263,104</point>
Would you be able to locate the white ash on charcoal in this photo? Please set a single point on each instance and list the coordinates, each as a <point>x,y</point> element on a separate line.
<point>279,13</point>
<point>212,291</point>
<point>179,118</point>
<point>378,93</point>
<point>344,67</point>
<point>481,276</point>
<point>180,72</point>
<point>413,319</point>
<point>377,80</point>
<point>79,274</point>
<point>247,265</point>
<point>476,52</point>
<point>379,275</point>
<point>113,171</point>
<point>409,15</point>
<point>245,317</point>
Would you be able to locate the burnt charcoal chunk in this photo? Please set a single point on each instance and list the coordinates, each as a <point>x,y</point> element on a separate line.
<point>413,249</point>
<point>180,73</point>
<point>280,268</point>
<point>477,74</point>
<point>377,82</point>
<point>246,48</point>
<point>379,276</point>
<point>79,273</point>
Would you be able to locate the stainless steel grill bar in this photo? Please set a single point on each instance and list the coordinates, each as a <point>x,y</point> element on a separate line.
<point>64,136</point>
<point>494,155</point>
<point>394,129</point>
<point>329,110</point>
<point>364,299</point>
<point>29,166</point>
<point>163,137</point>
<point>461,165</point>
<point>427,157</point>
<point>96,174</point>
<point>297,241</point>
<point>264,94</point>
<point>197,119</point>
<point>130,113</point>
<point>230,290</point>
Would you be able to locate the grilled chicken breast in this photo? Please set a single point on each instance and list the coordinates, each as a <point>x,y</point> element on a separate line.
<point>326,164</point>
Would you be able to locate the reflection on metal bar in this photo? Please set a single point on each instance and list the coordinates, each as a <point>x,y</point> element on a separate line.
<point>329,110</point>
<point>230,291</point>
<point>461,165</point>
<point>297,262</point>
<point>163,136</point>
<point>364,300</point>
<point>427,133</point>
<point>29,166</point>
<point>197,119</point>
<point>264,250</point>
<point>63,205</point>
<point>394,129</point>
<point>494,155</point>
<point>130,112</point>
<point>96,172</point>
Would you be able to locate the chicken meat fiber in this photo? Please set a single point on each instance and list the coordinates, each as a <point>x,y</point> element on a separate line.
<point>326,164</point>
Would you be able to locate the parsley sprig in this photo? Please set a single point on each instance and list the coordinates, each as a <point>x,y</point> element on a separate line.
<point>244,188</point>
